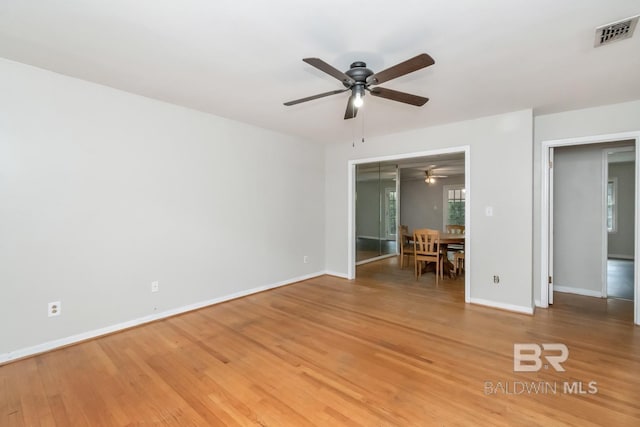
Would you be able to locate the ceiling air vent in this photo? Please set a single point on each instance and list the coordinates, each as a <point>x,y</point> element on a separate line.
<point>615,31</point>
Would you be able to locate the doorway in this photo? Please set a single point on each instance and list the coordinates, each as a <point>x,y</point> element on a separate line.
<point>406,160</point>
<point>548,226</point>
<point>619,199</point>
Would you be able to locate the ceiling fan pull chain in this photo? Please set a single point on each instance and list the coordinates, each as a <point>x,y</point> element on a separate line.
<point>362,115</point>
<point>353,135</point>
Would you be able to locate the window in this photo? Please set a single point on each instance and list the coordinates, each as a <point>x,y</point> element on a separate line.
<point>612,188</point>
<point>453,206</point>
<point>390,213</point>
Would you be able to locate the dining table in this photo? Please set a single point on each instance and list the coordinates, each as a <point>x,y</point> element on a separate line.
<point>446,239</point>
<point>451,238</point>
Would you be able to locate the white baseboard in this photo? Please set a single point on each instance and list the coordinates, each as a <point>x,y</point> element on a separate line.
<point>618,256</point>
<point>62,342</point>
<point>336,274</point>
<point>577,291</point>
<point>502,306</point>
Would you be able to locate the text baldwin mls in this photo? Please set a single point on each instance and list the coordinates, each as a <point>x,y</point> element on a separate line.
<point>539,387</point>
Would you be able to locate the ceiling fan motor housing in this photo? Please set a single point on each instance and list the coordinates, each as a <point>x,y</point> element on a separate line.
<point>358,72</point>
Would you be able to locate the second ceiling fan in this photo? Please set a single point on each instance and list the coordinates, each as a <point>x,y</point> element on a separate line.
<point>430,177</point>
<point>359,80</point>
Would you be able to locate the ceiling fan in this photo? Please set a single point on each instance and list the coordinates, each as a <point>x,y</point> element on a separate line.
<point>359,80</point>
<point>430,178</point>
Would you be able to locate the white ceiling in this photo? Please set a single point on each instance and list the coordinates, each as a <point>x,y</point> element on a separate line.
<point>243,59</point>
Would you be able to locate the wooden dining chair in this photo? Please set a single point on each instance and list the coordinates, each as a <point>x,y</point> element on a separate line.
<point>458,262</point>
<point>406,246</point>
<point>427,249</point>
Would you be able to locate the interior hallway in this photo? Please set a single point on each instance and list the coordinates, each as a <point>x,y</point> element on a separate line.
<point>620,278</point>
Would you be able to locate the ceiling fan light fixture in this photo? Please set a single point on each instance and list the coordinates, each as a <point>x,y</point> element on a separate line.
<point>429,179</point>
<point>358,95</point>
<point>358,101</point>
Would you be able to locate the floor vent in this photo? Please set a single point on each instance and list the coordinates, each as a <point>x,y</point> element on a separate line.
<point>615,31</point>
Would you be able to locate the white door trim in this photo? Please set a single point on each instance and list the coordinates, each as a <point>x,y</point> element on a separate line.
<point>545,203</point>
<point>604,230</point>
<point>550,232</point>
<point>351,205</point>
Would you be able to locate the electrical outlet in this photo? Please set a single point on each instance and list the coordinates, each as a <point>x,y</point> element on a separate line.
<point>155,286</point>
<point>305,259</point>
<point>54,309</point>
<point>496,279</point>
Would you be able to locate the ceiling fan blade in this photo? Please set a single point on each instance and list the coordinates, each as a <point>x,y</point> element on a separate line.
<point>351,111</point>
<point>334,72</point>
<point>320,95</point>
<point>395,95</point>
<point>409,66</point>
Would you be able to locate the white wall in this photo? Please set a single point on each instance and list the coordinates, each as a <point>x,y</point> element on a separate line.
<point>578,219</point>
<point>421,204</point>
<point>500,146</point>
<point>621,241</point>
<point>103,192</point>
<point>607,119</point>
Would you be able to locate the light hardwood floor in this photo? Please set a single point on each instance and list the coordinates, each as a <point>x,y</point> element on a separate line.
<point>383,350</point>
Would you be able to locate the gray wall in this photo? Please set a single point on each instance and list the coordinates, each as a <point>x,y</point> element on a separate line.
<point>621,242</point>
<point>578,220</point>
<point>421,204</point>
<point>504,140</point>
<point>104,192</point>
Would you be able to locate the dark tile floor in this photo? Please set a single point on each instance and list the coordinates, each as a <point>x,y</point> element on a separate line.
<point>620,278</point>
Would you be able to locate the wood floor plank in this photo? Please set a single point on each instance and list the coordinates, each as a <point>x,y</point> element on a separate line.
<point>383,350</point>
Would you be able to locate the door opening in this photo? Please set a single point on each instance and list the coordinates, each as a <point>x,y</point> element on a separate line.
<point>556,259</point>
<point>393,196</point>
